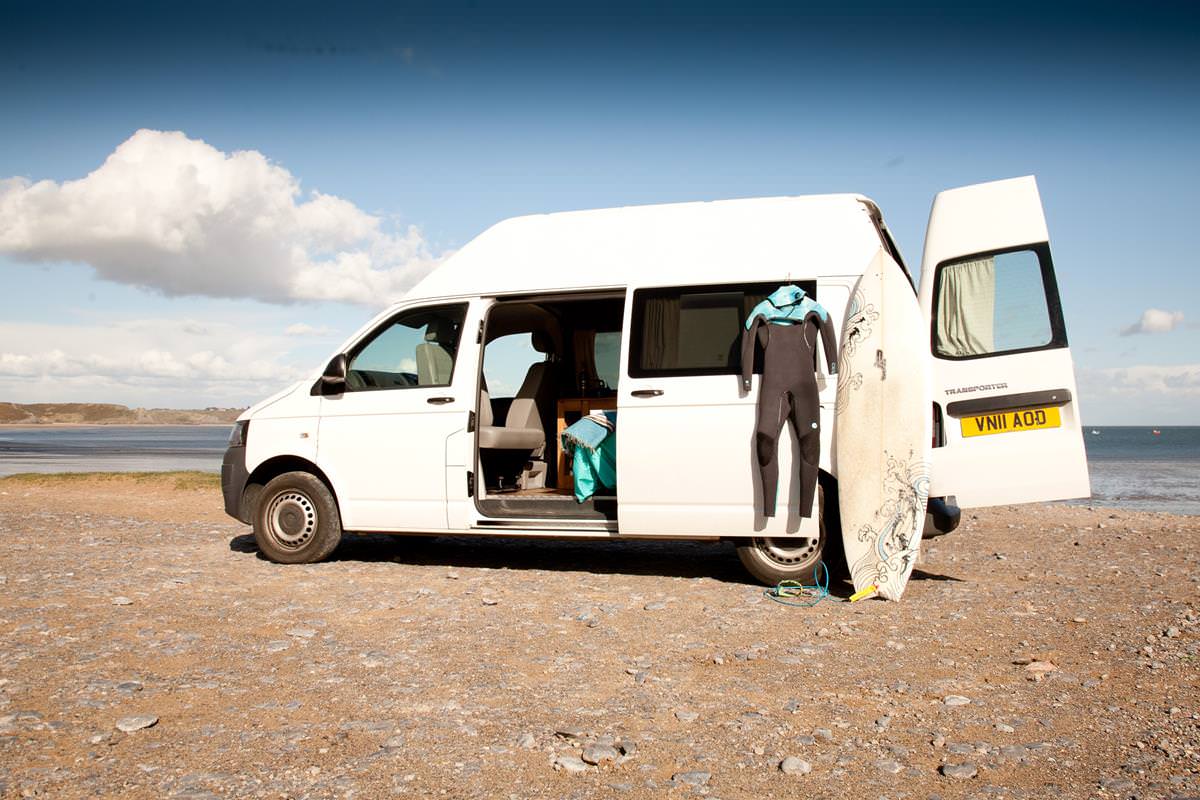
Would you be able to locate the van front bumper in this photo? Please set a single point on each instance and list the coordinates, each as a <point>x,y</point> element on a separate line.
<point>233,481</point>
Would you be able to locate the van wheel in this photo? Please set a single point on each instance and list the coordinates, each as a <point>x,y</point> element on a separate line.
<point>297,520</point>
<point>795,558</point>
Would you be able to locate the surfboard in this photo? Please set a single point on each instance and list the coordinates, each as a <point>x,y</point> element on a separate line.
<point>883,428</point>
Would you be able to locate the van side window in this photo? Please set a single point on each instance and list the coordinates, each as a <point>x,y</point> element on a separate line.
<point>996,303</point>
<point>416,348</point>
<point>607,355</point>
<point>694,330</point>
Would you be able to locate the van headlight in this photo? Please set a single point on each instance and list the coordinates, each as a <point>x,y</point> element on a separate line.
<point>237,436</point>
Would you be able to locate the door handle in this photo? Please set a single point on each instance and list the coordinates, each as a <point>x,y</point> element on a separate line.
<point>646,392</point>
<point>440,401</point>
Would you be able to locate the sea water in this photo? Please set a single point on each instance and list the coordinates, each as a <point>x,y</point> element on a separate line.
<point>112,448</point>
<point>1130,467</point>
<point>1133,467</point>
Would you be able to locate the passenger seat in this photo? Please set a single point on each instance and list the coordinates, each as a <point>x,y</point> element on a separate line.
<point>523,427</point>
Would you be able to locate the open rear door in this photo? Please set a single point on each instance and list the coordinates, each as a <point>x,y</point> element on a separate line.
<point>1003,380</point>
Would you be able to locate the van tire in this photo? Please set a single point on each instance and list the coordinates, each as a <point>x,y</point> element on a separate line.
<point>296,520</point>
<point>794,558</point>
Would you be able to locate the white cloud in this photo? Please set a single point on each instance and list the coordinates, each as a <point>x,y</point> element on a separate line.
<point>1155,320</point>
<point>1174,381</point>
<point>177,216</point>
<point>1141,394</point>
<point>304,329</point>
<point>146,362</point>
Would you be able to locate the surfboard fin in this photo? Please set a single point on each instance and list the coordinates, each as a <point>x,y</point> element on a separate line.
<point>864,593</point>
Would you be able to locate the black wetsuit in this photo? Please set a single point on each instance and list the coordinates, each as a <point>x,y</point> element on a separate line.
<point>788,391</point>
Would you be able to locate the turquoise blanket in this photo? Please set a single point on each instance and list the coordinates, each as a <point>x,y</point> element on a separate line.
<point>592,443</point>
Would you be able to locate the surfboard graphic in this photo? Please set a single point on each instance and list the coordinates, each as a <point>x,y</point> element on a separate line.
<point>883,428</point>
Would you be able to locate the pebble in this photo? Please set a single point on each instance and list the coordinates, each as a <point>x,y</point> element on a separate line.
<point>694,777</point>
<point>129,686</point>
<point>823,733</point>
<point>136,722</point>
<point>686,716</point>
<point>489,601</point>
<point>393,743</point>
<point>795,766</point>
<point>600,753</point>
<point>122,601</point>
<point>657,605</point>
<point>569,732</point>
<point>570,764</point>
<point>956,700</point>
<point>301,632</point>
<point>962,771</point>
<point>1041,667</point>
<point>1004,727</point>
<point>889,766</point>
<point>526,741</point>
<point>1118,784</point>
<point>1014,751</point>
<point>883,722</point>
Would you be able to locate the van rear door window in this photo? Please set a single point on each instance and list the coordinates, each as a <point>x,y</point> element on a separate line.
<point>997,303</point>
<point>694,330</point>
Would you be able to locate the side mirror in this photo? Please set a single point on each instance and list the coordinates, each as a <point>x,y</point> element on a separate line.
<point>333,379</point>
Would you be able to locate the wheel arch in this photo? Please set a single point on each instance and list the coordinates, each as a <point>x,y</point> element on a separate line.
<point>273,468</point>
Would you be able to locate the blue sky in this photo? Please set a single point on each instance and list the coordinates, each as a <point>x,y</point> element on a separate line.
<point>436,120</point>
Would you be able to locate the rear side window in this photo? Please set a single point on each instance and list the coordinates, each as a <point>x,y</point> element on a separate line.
<point>416,348</point>
<point>997,303</point>
<point>694,330</point>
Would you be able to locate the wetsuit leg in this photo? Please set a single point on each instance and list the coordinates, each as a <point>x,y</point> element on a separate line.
<point>810,454</point>
<point>773,408</point>
<point>805,411</point>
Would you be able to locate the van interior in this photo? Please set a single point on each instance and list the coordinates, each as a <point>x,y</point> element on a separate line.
<point>546,363</point>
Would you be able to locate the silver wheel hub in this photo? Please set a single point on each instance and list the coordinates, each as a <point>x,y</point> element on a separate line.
<point>291,519</point>
<point>789,552</point>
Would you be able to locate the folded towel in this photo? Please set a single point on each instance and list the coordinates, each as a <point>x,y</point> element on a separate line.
<point>591,431</point>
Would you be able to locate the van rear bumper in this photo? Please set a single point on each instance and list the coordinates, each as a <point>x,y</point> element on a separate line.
<point>233,481</point>
<point>941,517</point>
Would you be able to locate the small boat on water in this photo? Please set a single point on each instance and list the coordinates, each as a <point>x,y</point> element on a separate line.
<point>1095,432</point>
<point>1156,432</point>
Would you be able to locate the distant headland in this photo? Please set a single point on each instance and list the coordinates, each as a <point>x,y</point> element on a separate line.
<point>111,414</point>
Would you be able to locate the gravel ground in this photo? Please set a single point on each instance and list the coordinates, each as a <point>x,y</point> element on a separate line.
<point>148,651</point>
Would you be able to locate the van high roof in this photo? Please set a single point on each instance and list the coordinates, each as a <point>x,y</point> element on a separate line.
<point>676,244</point>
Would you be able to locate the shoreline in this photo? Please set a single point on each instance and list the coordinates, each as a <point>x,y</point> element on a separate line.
<point>43,425</point>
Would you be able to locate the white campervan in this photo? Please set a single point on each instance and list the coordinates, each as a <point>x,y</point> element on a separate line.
<point>640,310</point>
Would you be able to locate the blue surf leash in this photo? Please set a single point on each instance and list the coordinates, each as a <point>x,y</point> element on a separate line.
<point>795,593</point>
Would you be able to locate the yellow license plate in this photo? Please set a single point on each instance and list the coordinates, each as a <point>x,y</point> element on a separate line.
<point>1030,419</point>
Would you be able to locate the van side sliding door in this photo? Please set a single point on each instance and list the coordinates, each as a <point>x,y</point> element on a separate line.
<point>1003,379</point>
<point>685,429</point>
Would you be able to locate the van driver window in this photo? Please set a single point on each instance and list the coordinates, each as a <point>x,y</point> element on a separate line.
<point>415,349</point>
<point>694,330</point>
<point>995,303</point>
